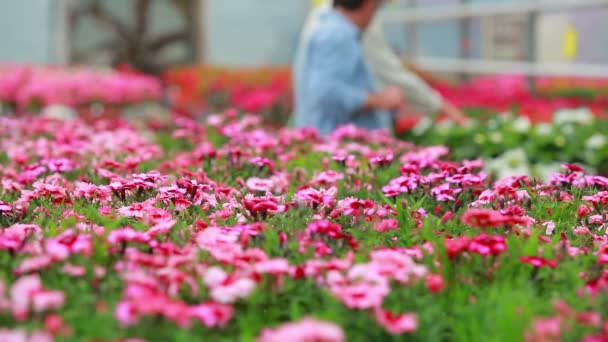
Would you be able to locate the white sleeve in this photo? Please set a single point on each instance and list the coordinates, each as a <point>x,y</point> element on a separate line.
<point>389,70</point>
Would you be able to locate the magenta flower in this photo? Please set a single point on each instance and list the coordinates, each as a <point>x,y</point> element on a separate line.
<point>484,244</point>
<point>227,288</point>
<point>317,198</point>
<point>396,324</point>
<point>305,330</point>
<point>27,292</point>
<point>538,261</point>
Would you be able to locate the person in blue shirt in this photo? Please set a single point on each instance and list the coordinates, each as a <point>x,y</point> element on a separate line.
<point>332,82</point>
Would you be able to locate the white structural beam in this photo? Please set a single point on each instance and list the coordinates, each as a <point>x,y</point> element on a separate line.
<point>482,66</point>
<point>447,12</point>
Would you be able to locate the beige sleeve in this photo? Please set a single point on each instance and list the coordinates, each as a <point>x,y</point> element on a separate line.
<point>388,70</point>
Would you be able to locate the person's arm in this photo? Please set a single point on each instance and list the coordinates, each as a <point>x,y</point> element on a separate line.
<point>334,59</point>
<point>388,69</point>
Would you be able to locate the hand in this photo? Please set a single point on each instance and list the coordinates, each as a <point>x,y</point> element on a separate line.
<point>389,99</point>
<point>455,114</point>
<point>392,98</point>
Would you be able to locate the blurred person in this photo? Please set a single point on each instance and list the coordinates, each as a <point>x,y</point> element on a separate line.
<point>333,85</point>
<point>388,70</point>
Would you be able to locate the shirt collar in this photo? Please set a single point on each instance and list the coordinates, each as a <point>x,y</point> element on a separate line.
<point>350,26</point>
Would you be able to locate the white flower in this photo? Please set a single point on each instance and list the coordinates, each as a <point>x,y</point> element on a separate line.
<point>521,124</point>
<point>545,171</point>
<point>581,116</point>
<point>444,127</point>
<point>511,163</point>
<point>595,142</point>
<point>479,138</point>
<point>543,129</point>
<point>492,124</point>
<point>470,123</point>
<point>59,112</point>
<point>422,126</point>
<point>568,129</point>
<point>496,137</point>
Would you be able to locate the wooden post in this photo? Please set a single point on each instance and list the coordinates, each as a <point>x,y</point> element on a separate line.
<point>200,17</point>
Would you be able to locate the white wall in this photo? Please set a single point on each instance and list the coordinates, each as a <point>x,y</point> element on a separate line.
<point>27,31</point>
<point>254,32</point>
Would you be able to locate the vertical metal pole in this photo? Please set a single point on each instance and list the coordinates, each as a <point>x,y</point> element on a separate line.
<point>532,46</point>
<point>465,40</point>
<point>201,30</point>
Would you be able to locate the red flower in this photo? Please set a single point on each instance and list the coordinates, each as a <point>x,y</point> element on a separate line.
<point>447,216</point>
<point>485,244</point>
<point>434,282</point>
<point>583,211</point>
<point>572,168</point>
<point>538,261</point>
<point>396,324</point>
<point>456,246</point>
<point>485,218</point>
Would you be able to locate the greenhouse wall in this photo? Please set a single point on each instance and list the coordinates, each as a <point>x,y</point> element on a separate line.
<point>262,32</point>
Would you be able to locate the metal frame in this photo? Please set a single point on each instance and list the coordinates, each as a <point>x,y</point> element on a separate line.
<point>467,10</point>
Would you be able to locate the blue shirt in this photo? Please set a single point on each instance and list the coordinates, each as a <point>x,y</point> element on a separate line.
<point>332,80</point>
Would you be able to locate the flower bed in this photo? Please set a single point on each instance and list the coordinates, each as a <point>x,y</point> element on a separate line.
<point>516,145</point>
<point>90,92</point>
<point>268,91</point>
<point>223,231</point>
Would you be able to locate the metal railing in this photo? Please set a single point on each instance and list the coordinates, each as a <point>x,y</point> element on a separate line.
<point>466,11</point>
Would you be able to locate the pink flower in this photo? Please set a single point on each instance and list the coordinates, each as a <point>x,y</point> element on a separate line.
<point>263,205</point>
<point>48,300</point>
<point>484,244</point>
<point>545,330</point>
<point>226,288</point>
<point>317,198</point>
<point>550,227</point>
<point>22,336</point>
<point>455,246</point>
<point>487,218</point>
<point>397,265</point>
<point>161,228</point>
<point>260,185</point>
<point>305,330</point>
<point>434,282</point>
<point>362,288</point>
<point>382,161</point>
<point>124,235</point>
<point>273,266</point>
<point>538,261</point>
<point>327,178</point>
<point>74,270</point>
<point>386,225</point>
<point>212,314</point>
<point>583,211</point>
<point>28,291</point>
<point>444,193</point>
<point>589,318</point>
<point>572,168</point>
<point>596,219</point>
<point>396,324</point>
<point>33,264</point>
<point>105,210</point>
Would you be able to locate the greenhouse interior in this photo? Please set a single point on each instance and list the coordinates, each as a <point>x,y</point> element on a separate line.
<point>303,170</point>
